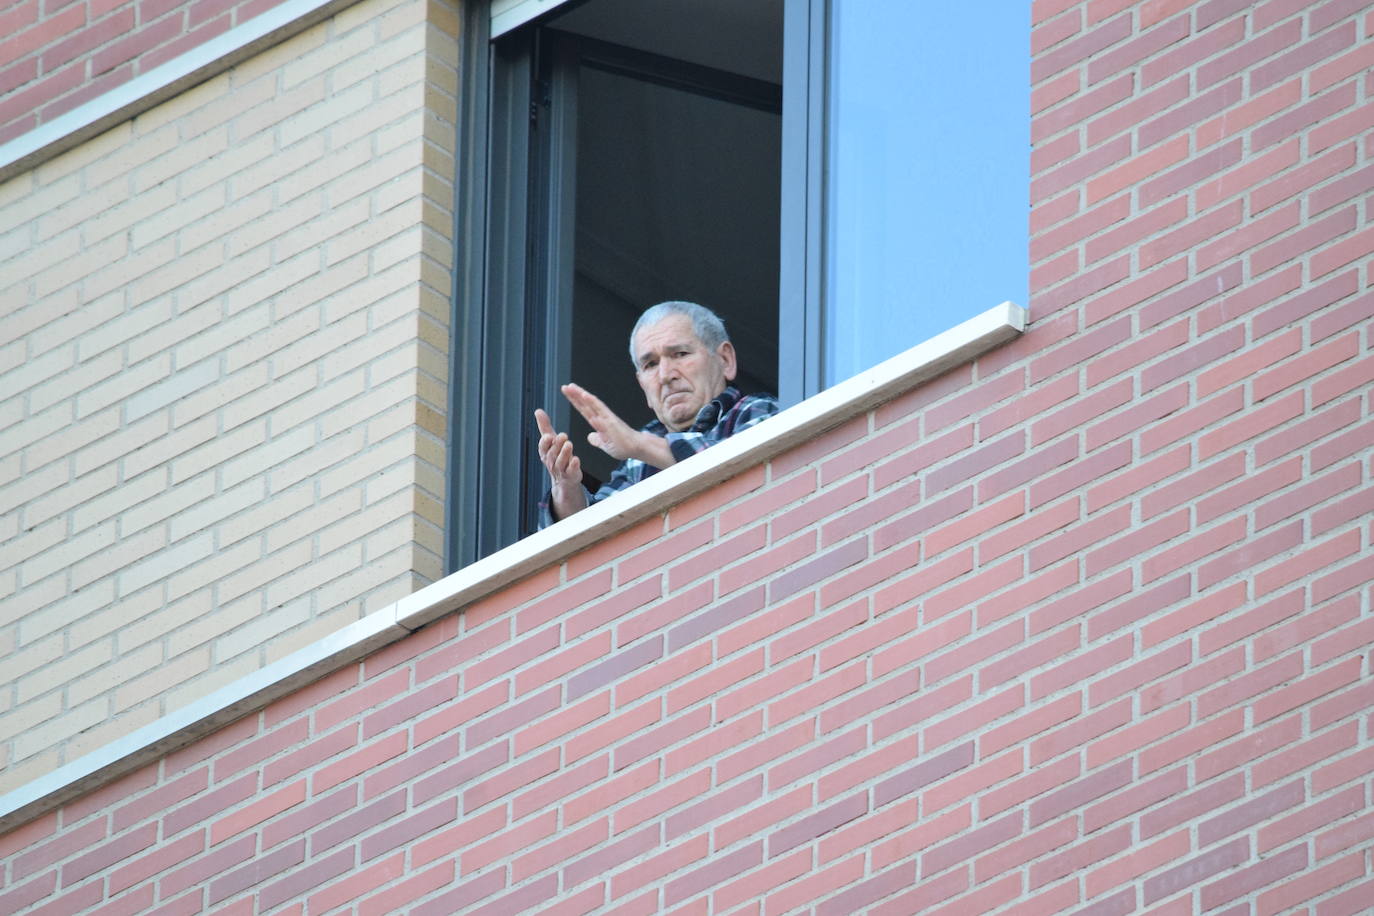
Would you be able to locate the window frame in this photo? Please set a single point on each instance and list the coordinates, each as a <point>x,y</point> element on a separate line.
<point>492,394</point>
<point>802,221</point>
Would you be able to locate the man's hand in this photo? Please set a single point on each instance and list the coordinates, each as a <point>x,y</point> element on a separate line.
<point>613,435</point>
<point>564,467</point>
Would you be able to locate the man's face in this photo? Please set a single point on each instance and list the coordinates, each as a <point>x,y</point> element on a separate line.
<point>678,373</point>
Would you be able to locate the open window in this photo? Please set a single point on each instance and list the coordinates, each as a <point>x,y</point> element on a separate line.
<point>634,156</point>
<point>787,163</point>
<point>664,148</point>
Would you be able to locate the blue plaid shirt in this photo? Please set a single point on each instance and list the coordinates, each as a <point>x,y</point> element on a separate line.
<point>719,420</point>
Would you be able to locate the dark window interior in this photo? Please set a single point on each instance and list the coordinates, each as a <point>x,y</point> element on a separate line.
<point>675,167</point>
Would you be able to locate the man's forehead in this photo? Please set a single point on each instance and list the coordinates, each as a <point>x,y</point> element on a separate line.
<point>666,332</point>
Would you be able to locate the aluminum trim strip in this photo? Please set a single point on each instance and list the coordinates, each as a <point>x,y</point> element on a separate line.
<point>213,57</point>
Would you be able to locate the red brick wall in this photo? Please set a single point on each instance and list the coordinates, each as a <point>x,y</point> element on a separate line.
<point>1085,625</point>
<point>58,54</point>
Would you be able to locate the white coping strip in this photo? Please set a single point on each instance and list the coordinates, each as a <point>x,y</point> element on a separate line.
<point>141,93</point>
<point>542,549</point>
<point>206,60</point>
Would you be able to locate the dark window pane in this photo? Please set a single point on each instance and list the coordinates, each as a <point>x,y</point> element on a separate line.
<point>677,198</point>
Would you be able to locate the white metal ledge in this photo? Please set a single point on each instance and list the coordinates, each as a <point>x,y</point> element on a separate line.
<point>213,57</point>
<point>207,60</point>
<point>545,548</point>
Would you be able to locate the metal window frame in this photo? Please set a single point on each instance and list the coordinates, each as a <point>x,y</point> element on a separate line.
<point>491,227</point>
<point>802,222</point>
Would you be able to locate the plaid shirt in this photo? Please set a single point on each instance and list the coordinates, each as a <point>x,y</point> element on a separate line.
<point>719,420</point>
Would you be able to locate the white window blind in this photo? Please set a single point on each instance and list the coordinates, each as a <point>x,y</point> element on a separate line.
<point>511,14</point>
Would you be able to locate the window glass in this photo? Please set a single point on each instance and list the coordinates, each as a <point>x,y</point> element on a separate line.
<point>927,147</point>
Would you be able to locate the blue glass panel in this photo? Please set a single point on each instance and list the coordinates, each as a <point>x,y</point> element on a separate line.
<point>928,167</point>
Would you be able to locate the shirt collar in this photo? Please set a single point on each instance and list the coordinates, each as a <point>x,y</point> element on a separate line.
<point>707,417</point>
<point>710,415</point>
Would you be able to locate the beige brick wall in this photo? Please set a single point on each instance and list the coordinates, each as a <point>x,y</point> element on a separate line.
<point>223,378</point>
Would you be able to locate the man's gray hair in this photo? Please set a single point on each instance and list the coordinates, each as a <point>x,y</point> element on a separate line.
<point>706,324</point>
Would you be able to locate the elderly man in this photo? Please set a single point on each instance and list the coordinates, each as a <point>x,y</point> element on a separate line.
<point>684,362</point>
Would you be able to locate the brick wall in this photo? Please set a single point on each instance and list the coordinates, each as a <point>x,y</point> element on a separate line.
<point>57,55</point>
<point>1084,626</point>
<point>224,369</point>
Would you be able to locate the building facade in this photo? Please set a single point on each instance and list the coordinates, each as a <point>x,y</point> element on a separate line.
<point>1060,613</point>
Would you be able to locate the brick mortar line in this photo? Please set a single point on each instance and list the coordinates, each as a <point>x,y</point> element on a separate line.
<point>641,793</point>
<point>1137,93</point>
<point>662,693</point>
<point>1197,339</point>
<point>1194,33</point>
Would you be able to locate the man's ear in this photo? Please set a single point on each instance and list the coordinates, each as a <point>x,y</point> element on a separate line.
<point>726,352</point>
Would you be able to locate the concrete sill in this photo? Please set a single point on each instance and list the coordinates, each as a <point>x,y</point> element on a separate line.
<point>751,447</point>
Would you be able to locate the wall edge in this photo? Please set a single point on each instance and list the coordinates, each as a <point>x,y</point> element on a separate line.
<point>47,141</point>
